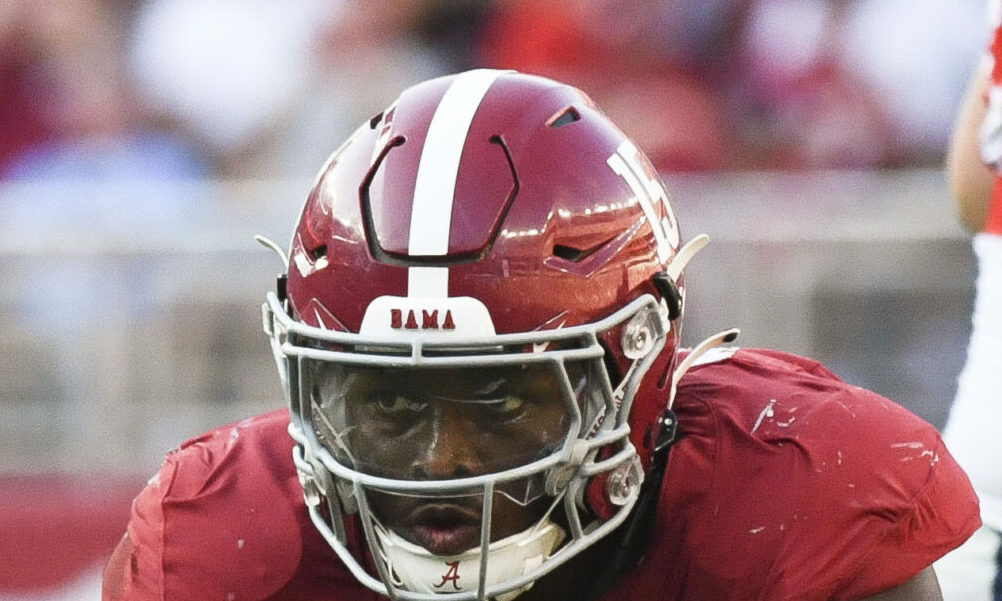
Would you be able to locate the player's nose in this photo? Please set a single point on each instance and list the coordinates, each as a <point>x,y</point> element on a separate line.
<point>451,450</point>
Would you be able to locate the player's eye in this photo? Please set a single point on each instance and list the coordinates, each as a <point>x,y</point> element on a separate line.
<point>508,406</point>
<point>393,403</point>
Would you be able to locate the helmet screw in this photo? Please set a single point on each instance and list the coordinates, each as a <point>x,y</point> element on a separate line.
<point>624,483</point>
<point>638,339</point>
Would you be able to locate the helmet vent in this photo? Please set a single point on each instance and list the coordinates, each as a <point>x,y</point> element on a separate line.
<point>575,255</point>
<point>375,121</point>
<point>565,117</point>
<point>319,252</point>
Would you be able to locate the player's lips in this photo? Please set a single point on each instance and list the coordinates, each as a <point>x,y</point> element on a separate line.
<point>444,529</point>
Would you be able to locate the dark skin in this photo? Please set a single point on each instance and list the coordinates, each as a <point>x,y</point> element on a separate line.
<point>432,439</point>
<point>475,422</point>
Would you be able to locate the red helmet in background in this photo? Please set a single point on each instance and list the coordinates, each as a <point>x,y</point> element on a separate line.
<point>489,221</point>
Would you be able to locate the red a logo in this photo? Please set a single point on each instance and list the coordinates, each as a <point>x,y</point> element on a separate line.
<point>451,575</point>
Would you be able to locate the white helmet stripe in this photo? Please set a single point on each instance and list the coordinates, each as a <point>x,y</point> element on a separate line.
<point>428,282</point>
<point>435,186</point>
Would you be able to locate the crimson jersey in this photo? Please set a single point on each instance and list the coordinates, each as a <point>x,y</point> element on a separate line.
<point>786,484</point>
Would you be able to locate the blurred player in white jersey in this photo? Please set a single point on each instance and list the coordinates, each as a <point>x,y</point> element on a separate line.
<point>974,163</point>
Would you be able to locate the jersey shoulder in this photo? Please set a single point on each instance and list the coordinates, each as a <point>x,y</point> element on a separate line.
<point>769,394</point>
<point>799,485</point>
<point>258,448</point>
<point>223,518</point>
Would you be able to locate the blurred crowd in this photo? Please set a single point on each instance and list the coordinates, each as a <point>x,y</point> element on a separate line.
<point>262,89</point>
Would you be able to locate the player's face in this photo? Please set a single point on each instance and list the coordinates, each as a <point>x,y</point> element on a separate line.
<point>446,424</point>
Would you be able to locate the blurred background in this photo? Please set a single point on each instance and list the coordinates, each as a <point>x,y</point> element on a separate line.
<point>143,143</point>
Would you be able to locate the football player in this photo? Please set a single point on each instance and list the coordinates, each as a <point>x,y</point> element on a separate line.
<point>477,332</point>
<point>974,164</point>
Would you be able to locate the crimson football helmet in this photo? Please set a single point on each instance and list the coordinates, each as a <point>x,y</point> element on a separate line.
<point>489,251</point>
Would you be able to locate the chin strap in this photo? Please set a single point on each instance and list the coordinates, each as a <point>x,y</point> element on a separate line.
<point>413,568</point>
<point>283,278</point>
<point>269,243</point>
<point>667,281</point>
<point>718,339</point>
<point>634,536</point>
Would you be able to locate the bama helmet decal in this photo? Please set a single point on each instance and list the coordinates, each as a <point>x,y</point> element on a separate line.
<point>463,316</point>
